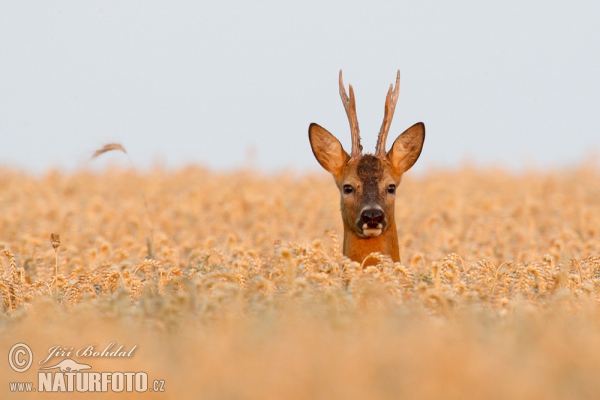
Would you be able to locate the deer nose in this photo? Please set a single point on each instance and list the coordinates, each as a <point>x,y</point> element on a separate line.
<point>373,217</point>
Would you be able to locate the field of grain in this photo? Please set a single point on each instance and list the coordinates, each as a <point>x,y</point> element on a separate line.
<point>232,285</point>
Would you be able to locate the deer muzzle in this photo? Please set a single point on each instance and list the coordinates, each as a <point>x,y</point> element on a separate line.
<point>371,222</point>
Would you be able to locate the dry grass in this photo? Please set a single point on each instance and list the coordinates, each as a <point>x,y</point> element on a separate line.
<point>233,286</point>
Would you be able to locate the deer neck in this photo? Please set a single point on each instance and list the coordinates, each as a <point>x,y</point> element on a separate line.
<point>357,248</point>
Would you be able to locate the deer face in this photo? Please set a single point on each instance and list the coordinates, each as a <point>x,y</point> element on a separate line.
<point>367,191</point>
<point>367,183</point>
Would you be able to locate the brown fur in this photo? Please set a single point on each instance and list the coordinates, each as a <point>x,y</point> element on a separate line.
<point>370,178</point>
<point>357,248</point>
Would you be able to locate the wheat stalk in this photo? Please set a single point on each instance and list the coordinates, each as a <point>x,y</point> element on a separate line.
<point>117,146</point>
<point>55,242</point>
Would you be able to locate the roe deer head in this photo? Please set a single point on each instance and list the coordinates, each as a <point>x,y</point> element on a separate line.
<point>367,183</point>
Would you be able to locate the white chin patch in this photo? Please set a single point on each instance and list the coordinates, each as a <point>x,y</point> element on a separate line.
<point>370,232</point>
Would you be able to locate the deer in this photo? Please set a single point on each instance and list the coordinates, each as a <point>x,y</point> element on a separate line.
<point>368,182</point>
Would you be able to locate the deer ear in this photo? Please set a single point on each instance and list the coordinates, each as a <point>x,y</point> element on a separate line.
<point>407,148</point>
<point>327,149</point>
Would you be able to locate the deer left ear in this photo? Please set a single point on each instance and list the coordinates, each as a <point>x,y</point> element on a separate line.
<point>327,149</point>
<point>407,148</point>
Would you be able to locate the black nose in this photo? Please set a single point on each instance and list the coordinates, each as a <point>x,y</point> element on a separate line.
<point>372,217</point>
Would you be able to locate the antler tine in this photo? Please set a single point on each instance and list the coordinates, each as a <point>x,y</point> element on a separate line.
<point>350,107</point>
<point>390,106</point>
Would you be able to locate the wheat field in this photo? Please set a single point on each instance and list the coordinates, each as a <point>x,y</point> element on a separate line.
<point>231,285</point>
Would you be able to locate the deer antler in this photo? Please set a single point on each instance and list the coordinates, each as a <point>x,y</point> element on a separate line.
<point>390,106</point>
<point>350,107</point>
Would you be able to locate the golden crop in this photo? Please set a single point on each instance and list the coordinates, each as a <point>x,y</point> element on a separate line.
<point>233,286</point>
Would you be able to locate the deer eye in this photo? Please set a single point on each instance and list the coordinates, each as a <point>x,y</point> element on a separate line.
<point>348,189</point>
<point>391,189</point>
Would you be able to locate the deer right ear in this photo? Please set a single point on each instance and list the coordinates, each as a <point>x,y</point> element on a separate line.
<point>407,148</point>
<point>327,149</point>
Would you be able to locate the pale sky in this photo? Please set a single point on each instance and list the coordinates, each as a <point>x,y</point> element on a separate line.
<point>513,83</point>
